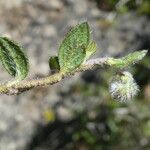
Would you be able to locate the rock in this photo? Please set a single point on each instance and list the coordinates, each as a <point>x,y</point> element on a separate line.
<point>64,114</point>
<point>10,4</point>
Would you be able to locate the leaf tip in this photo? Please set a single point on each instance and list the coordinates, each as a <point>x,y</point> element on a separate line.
<point>143,53</point>
<point>140,54</point>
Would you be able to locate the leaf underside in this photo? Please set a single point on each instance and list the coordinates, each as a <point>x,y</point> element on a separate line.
<point>13,58</point>
<point>72,49</point>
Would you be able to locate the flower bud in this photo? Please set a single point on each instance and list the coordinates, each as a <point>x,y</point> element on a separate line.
<point>123,87</point>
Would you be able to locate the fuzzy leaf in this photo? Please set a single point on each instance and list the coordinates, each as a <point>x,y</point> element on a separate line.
<point>13,58</point>
<point>90,50</point>
<point>128,60</point>
<point>72,49</point>
<point>54,63</point>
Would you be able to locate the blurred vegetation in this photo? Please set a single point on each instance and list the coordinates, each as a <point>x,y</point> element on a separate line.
<point>122,6</point>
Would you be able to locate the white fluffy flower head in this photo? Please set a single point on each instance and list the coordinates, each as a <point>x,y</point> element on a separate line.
<point>123,87</point>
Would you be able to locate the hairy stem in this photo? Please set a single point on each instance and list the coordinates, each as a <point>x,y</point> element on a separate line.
<point>12,88</point>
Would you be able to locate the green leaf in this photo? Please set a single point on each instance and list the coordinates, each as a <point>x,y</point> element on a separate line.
<point>90,50</point>
<point>54,63</point>
<point>128,60</point>
<point>13,58</point>
<point>72,49</point>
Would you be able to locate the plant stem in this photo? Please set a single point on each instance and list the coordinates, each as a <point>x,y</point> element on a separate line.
<point>16,87</point>
<point>12,88</point>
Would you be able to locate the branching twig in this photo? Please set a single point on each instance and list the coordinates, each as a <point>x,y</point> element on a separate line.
<point>12,88</point>
<point>74,51</point>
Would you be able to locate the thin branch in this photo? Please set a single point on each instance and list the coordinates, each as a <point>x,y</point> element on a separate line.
<point>16,87</point>
<point>12,88</point>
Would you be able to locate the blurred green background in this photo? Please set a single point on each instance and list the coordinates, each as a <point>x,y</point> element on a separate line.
<point>78,113</point>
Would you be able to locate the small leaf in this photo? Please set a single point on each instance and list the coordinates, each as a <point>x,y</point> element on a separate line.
<point>128,60</point>
<point>13,58</point>
<point>54,63</point>
<point>135,56</point>
<point>72,49</point>
<point>90,50</point>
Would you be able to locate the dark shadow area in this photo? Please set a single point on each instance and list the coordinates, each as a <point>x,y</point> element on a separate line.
<point>73,134</point>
